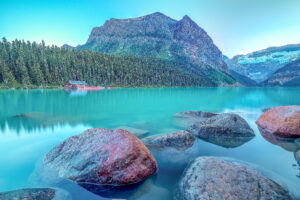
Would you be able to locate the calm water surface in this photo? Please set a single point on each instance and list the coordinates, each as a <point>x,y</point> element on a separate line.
<point>54,115</point>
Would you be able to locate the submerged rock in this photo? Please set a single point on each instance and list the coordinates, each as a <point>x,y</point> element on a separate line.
<point>29,194</point>
<point>213,178</point>
<point>228,141</point>
<point>31,115</point>
<point>180,140</point>
<point>187,118</point>
<point>266,109</point>
<point>102,156</point>
<point>150,190</point>
<point>135,131</point>
<point>226,124</point>
<point>297,156</point>
<point>194,114</point>
<point>109,192</point>
<point>227,129</point>
<point>282,121</point>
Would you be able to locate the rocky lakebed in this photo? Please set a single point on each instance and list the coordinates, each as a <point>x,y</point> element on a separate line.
<point>113,162</point>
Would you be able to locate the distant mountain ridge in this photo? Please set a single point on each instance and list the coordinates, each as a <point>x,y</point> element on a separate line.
<point>289,75</point>
<point>66,46</point>
<point>260,65</point>
<point>157,35</point>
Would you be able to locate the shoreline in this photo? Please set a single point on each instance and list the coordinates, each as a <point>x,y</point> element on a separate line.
<point>145,87</point>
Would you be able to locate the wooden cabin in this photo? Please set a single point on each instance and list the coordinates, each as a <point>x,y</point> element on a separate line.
<point>75,84</point>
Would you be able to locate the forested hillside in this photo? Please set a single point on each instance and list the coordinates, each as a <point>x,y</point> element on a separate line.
<point>244,80</point>
<point>25,64</point>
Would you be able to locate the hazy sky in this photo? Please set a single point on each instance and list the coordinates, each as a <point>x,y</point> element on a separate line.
<point>236,26</point>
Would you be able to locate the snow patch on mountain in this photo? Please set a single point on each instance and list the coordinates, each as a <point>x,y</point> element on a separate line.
<point>280,57</point>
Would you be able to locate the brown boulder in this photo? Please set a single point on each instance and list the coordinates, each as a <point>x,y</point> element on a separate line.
<point>281,121</point>
<point>102,156</point>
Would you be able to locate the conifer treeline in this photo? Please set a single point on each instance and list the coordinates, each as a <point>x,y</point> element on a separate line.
<point>25,64</point>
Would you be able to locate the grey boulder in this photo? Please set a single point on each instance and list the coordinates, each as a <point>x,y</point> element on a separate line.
<point>179,140</point>
<point>226,129</point>
<point>227,124</point>
<point>212,178</point>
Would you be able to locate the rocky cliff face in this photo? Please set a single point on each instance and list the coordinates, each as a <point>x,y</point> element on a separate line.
<point>260,65</point>
<point>289,75</point>
<point>158,36</point>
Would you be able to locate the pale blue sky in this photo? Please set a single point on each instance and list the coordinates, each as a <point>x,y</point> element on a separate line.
<point>236,26</point>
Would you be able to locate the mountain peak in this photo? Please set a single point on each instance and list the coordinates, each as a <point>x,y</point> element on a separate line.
<point>186,18</point>
<point>66,46</point>
<point>157,35</point>
<point>157,14</point>
<point>189,22</point>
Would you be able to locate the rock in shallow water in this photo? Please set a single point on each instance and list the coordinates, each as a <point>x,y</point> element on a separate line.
<point>29,194</point>
<point>213,178</point>
<point>180,140</point>
<point>187,118</point>
<point>228,141</point>
<point>135,131</point>
<point>102,156</point>
<point>266,109</point>
<point>281,121</point>
<point>225,124</point>
<point>194,114</point>
<point>297,157</point>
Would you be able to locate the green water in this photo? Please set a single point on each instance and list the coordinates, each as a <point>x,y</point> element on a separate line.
<point>34,121</point>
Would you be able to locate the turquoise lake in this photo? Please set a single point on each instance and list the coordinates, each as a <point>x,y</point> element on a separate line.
<point>32,122</point>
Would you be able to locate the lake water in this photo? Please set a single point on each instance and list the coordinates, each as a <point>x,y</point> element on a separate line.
<point>54,115</point>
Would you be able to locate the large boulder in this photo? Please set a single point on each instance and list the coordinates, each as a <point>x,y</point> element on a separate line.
<point>226,129</point>
<point>29,194</point>
<point>282,121</point>
<point>213,178</point>
<point>102,156</point>
<point>179,140</point>
<point>227,124</point>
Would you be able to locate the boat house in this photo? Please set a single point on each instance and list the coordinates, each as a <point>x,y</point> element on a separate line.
<point>75,84</point>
